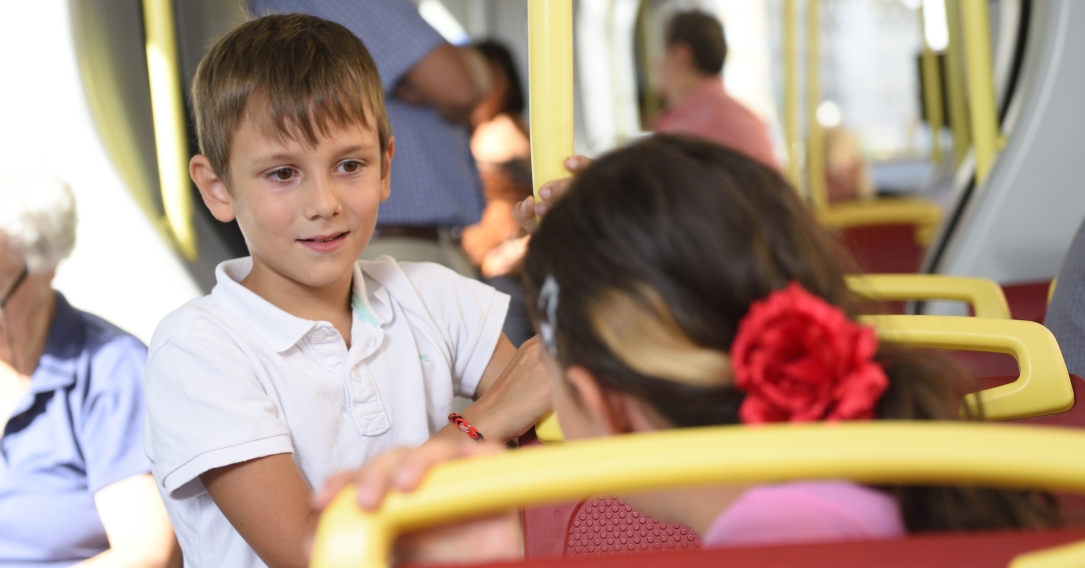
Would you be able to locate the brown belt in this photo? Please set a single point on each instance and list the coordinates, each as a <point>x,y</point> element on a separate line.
<point>431,233</point>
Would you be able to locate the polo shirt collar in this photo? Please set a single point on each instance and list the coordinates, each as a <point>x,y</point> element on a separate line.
<point>57,366</point>
<point>278,328</point>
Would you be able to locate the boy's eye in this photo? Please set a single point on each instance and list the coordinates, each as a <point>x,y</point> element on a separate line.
<point>283,174</point>
<point>351,166</point>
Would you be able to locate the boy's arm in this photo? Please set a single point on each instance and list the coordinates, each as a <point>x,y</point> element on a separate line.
<point>269,502</point>
<point>513,394</point>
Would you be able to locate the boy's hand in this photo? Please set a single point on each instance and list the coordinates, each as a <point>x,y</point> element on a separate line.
<point>550,192</point>
<point>480,540</point>
<point>517,399</point>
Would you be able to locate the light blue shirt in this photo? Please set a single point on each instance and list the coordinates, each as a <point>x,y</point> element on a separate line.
<point>434,178</point>
<point>78,429</point>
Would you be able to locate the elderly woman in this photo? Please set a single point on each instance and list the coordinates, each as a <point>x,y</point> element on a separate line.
<point>75,485</point>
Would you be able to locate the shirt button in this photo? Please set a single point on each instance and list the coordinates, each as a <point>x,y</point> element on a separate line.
<point>355,372</point>
<point>319,335</point>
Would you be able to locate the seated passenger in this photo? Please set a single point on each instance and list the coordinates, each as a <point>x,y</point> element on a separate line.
<point>679,284</point>
<point>697,103</point>
<point>304,361</point>
<point>74,482</point>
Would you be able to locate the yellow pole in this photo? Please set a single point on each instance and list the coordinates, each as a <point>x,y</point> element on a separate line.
<point>932,99</point>
<point>168,115</point>
<point>981,85</point>
<point>955,85</point>
<point>550,86</point>
<point>791,94</point>
<point>815,139</point>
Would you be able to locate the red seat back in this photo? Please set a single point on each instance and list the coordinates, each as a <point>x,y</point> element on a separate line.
<point>884,249</point>
<point>1028,300</point>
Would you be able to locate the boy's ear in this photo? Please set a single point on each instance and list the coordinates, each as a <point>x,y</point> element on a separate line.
<point>386,169</point>
<point>212,188</point>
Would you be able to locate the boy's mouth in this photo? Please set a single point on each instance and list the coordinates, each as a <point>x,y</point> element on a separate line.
<point>325,243</point>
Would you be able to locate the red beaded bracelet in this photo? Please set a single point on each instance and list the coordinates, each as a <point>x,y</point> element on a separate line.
<point>468,429</point>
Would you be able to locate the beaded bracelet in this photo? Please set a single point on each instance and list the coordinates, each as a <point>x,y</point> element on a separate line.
<point>468,429</point>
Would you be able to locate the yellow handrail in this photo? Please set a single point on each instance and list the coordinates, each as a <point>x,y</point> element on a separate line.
<point>956,90</point>
<point>932,97</point>
<point>981,85</point>
<point>985,296</point>
<point>791,95</point>
<point>1043,386</point>
<point>815,139</point>
<point>168,115</point>
<point>550,82</point>
<point>872,452</point>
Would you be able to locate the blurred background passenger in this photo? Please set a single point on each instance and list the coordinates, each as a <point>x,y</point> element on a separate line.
<point>431,89</point>
<point>697,103</point>
<point>847,175</point>
<point>74,481</point>
<point>500,145</point>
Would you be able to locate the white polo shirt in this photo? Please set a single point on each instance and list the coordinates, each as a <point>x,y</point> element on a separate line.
<point>231,378</point>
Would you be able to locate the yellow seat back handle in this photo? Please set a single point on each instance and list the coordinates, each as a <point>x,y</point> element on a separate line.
<point>868,452</point>
<point>985,296</point>
<point>1043,386</point>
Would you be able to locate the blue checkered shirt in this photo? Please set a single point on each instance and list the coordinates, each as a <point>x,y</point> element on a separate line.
<point>434,179</point>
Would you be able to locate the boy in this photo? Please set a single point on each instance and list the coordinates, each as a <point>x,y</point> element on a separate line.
<point>303,362</point>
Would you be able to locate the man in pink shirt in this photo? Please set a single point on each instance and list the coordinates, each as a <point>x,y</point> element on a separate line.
<point>697,103</point>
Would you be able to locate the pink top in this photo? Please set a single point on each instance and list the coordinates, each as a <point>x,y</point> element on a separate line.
<point>708,112</point>
<point>803,512</point>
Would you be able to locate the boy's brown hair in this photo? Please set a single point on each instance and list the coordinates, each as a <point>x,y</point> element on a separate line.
<point>307,76</point>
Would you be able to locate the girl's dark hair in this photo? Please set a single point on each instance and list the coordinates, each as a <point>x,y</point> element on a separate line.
<point>668,242</point>
<point>499,55</point>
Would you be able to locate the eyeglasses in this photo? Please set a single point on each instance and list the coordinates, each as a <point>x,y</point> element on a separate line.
<point>3,302</point>
<point>14,287</point>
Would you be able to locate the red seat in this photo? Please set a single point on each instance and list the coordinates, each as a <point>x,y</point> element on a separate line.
<point>1028,300</point>
<point>884,249</point>
<point>957,550</point>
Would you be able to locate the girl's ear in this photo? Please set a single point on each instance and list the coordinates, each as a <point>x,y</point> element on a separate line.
<point>606,407</point>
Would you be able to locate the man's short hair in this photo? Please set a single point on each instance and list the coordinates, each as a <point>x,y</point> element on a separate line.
<point>704,36</point>
<point>307,76</point>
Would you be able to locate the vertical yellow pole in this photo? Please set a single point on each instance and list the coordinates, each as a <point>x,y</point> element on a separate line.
<point>932,99</point>
<point>550,86</point>
<point>815,140</point>
<point>791,94</point>
<point>168,115</point>
<point>981,85</point>
<point>955,85</point>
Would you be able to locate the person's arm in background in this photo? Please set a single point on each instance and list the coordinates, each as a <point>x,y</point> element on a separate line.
<point>136,525</point>
<point>453,80</point>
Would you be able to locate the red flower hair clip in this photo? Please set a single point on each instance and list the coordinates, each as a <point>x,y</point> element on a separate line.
<point>799,358</point>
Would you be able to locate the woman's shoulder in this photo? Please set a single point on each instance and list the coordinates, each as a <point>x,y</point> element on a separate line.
<point>807,512</point>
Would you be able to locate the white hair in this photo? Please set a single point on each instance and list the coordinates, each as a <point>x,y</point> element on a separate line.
<point>37,214</point>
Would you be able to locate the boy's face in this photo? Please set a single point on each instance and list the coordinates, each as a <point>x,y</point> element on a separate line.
<point>306,212</point>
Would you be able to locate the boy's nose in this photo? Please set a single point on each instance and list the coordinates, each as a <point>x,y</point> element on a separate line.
<point>323,199</point>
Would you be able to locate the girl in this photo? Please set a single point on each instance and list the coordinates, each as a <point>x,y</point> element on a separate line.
<point>681,284</point>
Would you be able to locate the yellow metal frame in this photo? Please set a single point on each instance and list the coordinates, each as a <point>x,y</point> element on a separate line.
<point>168,114</point>
<point>986,133</point>
<point>815,138</point>
<point>956,90</point>
<point>791,95</point>
<point>550,85</point>
<point>932,98</point>
<point>924,214</point>
<point>985,296</point>
<point>1043,386</point>
<point>873,453</point>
